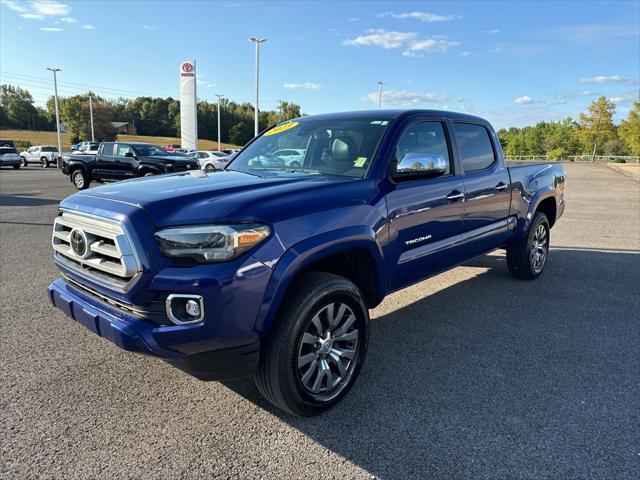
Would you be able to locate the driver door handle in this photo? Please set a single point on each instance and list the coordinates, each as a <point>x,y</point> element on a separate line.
<point>455,195</point>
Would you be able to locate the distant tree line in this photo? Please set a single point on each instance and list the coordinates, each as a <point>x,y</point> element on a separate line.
<point>161,117</point>
<point>151,116</point>
<point>594,129</point>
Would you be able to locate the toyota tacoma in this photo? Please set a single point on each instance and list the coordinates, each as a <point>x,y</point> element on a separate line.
<point>266,269</point>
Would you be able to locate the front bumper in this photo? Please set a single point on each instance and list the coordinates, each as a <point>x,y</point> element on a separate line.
<point>139,335</point>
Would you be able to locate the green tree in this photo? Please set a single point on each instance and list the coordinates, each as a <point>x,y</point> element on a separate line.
<point>596,126</point>
<point>629,130</point>
<point>16,108</point>
<point>75,115</point>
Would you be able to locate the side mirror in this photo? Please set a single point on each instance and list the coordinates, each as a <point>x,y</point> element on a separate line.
<point>416,165</point>
<point>130,155</point>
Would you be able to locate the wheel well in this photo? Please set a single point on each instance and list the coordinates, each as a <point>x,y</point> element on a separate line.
<point>548,207</point>
<point>354,264</point>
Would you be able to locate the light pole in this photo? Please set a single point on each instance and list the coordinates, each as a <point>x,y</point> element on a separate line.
<point>380,83</point>
<point>257,41</point>
<point>219,97</point>
<point>55,88</point>
<point>93,138</point>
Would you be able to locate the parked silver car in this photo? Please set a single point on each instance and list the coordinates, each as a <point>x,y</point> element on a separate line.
<point>45,155</point>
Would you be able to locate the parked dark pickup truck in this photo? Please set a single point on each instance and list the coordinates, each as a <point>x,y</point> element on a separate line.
<point>269,270</point>
<point>119,161</point>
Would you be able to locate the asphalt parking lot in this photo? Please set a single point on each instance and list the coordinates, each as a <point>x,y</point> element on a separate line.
<point>471,374</point>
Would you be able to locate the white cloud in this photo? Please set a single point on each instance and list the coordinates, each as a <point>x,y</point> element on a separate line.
<point>303,86</point>
<point>50,8</point>
<point>406,98</point>
<point>52,29</point>
<point>381,38</point>
<point>464,54</point>
<point>523,100</point>
<point>88,27</point>
<point>625,98</point>
<point>492,31</point>
<point>13,5</point>
<point>31,16</point>
<point>428,45</point>
<point>413,46</point>
<point>68,20</point>
<point>608,79</point>
<point>422,16</point>
<point>148,27</point>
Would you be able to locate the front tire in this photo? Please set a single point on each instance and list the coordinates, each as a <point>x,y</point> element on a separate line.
<point>80,180</point>
<point>314,353</point>
<point>24,162</point>
<point>527,258</point>
<point>44,162</point>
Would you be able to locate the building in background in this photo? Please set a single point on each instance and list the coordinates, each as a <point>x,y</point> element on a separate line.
<point>124,128</point>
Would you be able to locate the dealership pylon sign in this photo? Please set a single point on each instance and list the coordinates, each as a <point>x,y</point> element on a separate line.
<point>188,105</point>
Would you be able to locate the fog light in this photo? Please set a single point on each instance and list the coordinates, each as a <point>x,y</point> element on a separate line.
<point>193,308</point>
<point>184,309</point>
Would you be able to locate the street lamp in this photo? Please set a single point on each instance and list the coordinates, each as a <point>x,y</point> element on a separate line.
<point>219,97</point>
<point>55,88</point>
<point>380,83</point>
<point>93,138</point>
<point>257,41</point>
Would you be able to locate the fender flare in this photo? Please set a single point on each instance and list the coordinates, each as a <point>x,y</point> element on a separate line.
<point>149,168</point>
<point>309,251</point>
<point>542,194</point>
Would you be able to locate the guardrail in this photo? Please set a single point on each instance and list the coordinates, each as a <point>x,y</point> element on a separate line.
<point>575,158</point>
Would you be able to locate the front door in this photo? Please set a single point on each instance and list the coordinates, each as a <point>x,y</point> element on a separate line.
<point>426,213</point>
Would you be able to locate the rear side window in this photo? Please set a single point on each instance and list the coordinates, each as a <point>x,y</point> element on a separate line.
<point>475,147</point>
<point>49,149</point>
<point>107,149</point>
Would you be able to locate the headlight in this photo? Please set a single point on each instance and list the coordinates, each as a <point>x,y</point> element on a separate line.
<point>211,243</point>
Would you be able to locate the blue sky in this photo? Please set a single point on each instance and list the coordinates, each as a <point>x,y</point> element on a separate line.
<point>514,63</point>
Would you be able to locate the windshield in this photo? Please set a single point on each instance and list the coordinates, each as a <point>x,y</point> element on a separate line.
<point>325,146</point>
<point>150,150</point>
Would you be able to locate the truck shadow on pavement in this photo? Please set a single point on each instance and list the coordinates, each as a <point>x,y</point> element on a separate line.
<point>26,200</point>
<point>496,377</point>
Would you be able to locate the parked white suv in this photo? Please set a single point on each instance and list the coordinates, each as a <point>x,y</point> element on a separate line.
<point>43,154</point>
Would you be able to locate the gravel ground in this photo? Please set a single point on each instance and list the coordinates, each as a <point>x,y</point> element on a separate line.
<point>471,374</point>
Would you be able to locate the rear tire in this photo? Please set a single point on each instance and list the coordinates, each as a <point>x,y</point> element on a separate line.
<point>527,258</point>
<point>44,162</point>
<point>209,168</point>
<point>16,167</point>
<point>314,352</point>
<point>80,179</point>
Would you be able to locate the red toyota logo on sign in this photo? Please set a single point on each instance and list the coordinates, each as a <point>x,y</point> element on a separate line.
<point>187,67</point>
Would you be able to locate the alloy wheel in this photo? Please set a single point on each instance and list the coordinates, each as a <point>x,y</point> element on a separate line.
<point>539,249</point>
<point>328,351</point>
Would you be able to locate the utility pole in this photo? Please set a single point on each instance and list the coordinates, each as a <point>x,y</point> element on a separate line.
<point>219,97</point>
<point>93,138</point>
<point>380,83</point>
<point>257,41</point>
<point>55,88</point>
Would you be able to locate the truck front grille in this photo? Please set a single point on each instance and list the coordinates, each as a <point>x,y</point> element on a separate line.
<point>95,248</point>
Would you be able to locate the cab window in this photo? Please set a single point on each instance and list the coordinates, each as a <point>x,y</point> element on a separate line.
<point>476,150</point>
<point>427,139</point>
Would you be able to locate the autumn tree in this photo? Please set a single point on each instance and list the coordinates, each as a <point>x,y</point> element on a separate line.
<point>596,126</point>
<point>75,115</point>
<point>629,130</point>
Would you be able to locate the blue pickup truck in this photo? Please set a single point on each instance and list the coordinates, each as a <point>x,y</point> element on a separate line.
<point>268,270</point>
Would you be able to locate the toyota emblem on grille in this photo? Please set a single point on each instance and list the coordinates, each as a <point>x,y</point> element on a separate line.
<point>79,243</point>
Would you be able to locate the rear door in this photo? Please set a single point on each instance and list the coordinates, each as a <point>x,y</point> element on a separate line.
<point>425,213</point>
<point>105,162</point>
<point>486,186</point>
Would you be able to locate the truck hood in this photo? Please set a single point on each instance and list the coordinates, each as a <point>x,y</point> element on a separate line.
<point>228,196</point>
<point>171,158</point>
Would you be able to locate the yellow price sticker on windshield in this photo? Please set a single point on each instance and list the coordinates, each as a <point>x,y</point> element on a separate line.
<point>359,162</point>
<point>282,128</point>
